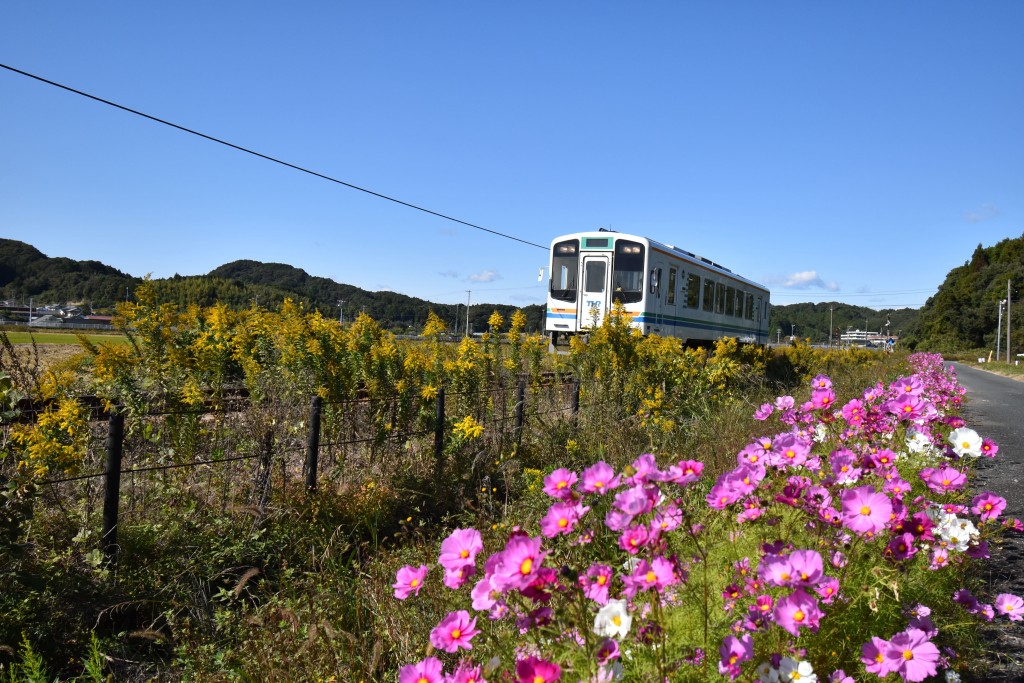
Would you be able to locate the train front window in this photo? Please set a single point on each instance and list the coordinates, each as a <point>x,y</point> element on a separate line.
<point>628,271</point>
<point>565,270</point>
<point>594,283</point>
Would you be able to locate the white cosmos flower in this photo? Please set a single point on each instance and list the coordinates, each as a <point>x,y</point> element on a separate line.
<point>792,670</point>
<point>613,620</point>
<point>965,442</point>
<point>918,442</point>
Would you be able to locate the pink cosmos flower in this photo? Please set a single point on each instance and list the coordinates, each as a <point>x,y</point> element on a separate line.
<point>873,656</point>
<point>634,538</point>
<point>408,581</point>
<point>808,567</point>
<point>1010,605</point>
<point>821,382</point>
<point>912,655</point>
<point>596,583</point>
<point>989,448</point>
<point>666,519</point>
<point>764,412</point>
<point>561,518</point>
<point>519,563</point>
<point>430,670</point>
<point>460,549</point>
<point>865,511</point>
<point>733,652</point>
<point>645,469</point>
<point>636,500</point>
<point>945,479</point>
<point>906,407</point>
<point>828,589</point>
<point>797,610</point>
<point>455,631</point>
<point>822,399</point>
<point>789,450</point>
<point>988,505</point>
<point>456,578</point>
<point>559,483</point>
<point>467,673</point>
<point>654,575</point>
<point>536,670</point>
<point>723,494</point>
<point>685,472</point>
<point>599,478</point>
<point>777,570</point>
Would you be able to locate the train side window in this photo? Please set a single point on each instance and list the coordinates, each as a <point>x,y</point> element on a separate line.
<point>709,295</point>
<point>719,297</point>
<point>693,291</point>
<point>739,304</point>
<point>670,294</point>
<point>730,300</point>
<point>750,306</point>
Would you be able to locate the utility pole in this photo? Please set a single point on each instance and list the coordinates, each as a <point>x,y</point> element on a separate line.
<point>999,331</point>
<point>830,328</point>
<point>341,314</point>
<point>1008,322</point>
<point>469,293</point>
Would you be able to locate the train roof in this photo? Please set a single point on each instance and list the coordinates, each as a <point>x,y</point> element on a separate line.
<point>663,246</point>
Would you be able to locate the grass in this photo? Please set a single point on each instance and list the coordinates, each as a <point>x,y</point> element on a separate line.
<point>65,338</point>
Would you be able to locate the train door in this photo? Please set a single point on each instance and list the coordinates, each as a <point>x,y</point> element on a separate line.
<point>594,297</point>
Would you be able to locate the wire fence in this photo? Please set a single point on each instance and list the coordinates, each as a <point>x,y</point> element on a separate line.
<point>237,453</point>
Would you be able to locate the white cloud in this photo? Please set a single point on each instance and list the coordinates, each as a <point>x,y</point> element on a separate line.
<point>808,279</point>
<point>449,273</point>
<point>485,276</point>
<point>985,212</point>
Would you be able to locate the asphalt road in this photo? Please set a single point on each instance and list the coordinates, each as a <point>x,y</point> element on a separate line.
<point>995,409</point>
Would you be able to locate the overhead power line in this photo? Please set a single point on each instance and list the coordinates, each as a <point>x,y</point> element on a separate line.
<point>268,157</point>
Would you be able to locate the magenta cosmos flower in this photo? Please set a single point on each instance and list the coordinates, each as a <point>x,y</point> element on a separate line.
<point>733,652</point>
<point>988,505</point>
<point>561,518</point>
<point>559,483</point>
<point>408,581</point>
<point>455,631</point>
<point>460,549</point>
<point>536,670</point>
<point>797,610</point>
<point>518,564</point>
<point>865,511</point>
<point>596,583</point>
<point>427,671</point>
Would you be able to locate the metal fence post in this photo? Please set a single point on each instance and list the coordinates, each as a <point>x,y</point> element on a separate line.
<point>439,435</point>
<point>313,443</point>
<point>112,486</point>
<point>520,405</point>
<point>575,396</point>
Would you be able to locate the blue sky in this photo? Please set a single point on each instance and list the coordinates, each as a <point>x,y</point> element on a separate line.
<point>834,151</point>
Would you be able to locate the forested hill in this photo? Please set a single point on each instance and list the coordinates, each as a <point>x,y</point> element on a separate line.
<point>964,313</point>
<point>26,273</point>
<point>811,321</point>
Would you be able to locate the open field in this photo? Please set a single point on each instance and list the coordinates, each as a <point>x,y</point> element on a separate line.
<point>64,338</point>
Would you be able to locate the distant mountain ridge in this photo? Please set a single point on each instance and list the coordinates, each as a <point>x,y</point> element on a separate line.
<point>26,273</point>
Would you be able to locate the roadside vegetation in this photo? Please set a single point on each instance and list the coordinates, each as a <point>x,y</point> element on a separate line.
<point>724,467</point>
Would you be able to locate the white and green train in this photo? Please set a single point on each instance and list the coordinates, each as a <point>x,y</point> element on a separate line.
<point>664,289</point>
